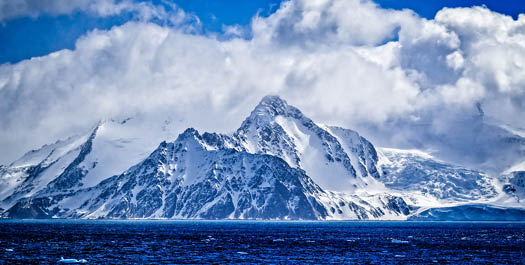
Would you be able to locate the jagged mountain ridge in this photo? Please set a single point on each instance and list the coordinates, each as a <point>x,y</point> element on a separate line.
<point>196,177</point>
<point>316,171</point>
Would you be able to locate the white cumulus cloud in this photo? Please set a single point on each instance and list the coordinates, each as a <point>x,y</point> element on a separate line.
<point>402,80</point>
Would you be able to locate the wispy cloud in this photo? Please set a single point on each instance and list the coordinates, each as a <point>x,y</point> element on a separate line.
<point>165,12</point>
<point>34,8</point>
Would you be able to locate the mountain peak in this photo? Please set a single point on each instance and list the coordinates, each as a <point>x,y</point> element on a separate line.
<point>273,100</point>
<point>189,133</point>
<point>268,108</point>
<point>273,106</point>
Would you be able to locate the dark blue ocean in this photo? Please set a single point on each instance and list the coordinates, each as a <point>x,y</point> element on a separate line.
<point>224,242</point>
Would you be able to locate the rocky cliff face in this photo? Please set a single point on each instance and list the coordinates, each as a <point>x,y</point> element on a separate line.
<point>514,184</point>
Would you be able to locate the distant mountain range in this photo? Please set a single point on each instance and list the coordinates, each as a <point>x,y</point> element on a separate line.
<point>278,165</point>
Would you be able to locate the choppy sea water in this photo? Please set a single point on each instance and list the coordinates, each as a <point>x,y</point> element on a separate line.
<point>225,242</point>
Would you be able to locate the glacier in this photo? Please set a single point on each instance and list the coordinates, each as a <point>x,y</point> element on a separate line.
<point>278,165</point>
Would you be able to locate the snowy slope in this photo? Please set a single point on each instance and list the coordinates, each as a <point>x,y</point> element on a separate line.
<point>33,171</point>
<point>429,181</point>
<point>116,145</point>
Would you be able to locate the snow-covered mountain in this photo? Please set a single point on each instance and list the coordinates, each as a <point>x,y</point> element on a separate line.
<point>81,161</point>
<point>278,165</point>
<point>196,176</point>
<point>335,158</point>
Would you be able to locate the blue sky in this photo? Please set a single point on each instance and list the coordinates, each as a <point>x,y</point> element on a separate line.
<point>25,37</point>
<point>428,8</point>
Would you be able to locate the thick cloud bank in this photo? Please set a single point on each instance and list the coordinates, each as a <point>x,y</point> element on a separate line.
<point>447,84</point>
